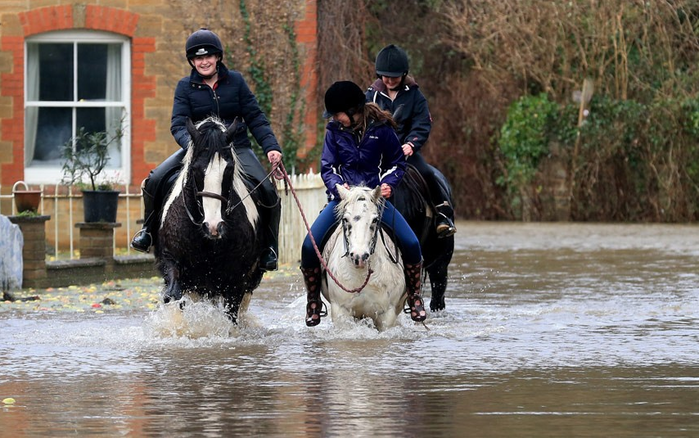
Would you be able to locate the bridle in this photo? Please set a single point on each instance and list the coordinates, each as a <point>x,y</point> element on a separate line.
<point>372,245</point>
<point>230,207</point>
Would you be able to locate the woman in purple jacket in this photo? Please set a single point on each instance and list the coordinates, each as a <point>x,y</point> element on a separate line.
<point>361,147</point>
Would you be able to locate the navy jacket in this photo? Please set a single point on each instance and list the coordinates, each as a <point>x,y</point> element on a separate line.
<point>376,159</point>
<point>409,110</point>
<point>231,98</point>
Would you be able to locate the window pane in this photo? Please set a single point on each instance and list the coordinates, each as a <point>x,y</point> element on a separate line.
<point>56,72</point>
<point>52,131</point>
<point>95,120</point>
<point>99,72</point>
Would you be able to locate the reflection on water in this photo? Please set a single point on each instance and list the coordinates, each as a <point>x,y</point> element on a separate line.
<point>550,330</point>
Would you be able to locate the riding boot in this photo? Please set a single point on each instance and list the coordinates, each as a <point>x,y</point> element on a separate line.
<point>143,239</point>
<point>413,283</point>
<point>314,305</point>
<point>268,259</point>
<point>445,223</point>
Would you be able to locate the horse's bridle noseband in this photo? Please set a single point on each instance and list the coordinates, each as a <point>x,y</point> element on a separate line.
<point>374,238</point>
<point>229,207</point>
<point>204,194</point>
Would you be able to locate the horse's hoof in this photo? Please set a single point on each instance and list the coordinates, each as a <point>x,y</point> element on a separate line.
<point>169,297</point>
<point>314,311</point>
<point>437,304</point>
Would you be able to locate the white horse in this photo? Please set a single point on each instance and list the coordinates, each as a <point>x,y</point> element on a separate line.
<point>356,250</point>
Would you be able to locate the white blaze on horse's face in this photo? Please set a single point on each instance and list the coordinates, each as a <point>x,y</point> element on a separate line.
<point>360,222</point>
<point>213,183</point>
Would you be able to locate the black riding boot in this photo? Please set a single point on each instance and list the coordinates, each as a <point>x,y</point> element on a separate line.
<point>314,306</point>
<point>143,239</point>
<point>268,259</point>
<point>413,283</point>
<point>445,223</point>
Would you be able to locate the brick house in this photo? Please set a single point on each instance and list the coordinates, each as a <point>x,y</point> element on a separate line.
<point>97,64</point>
<point>115,63</point>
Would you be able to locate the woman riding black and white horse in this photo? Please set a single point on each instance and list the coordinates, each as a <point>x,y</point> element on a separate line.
<point>210,239</point>
<point>212,89</point>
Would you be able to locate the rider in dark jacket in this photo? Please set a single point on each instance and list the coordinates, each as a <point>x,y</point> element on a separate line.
<point>212,89</point>
<point>361,148</point>
<point>398,93</point>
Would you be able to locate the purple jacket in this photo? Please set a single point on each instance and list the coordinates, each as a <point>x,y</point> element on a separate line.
<point>376,159</point>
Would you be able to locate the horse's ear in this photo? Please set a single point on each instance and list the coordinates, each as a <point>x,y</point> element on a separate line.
<point>342,191</point>
<point>376,193</point>
<point>193,132</point>
<point>230,132</point>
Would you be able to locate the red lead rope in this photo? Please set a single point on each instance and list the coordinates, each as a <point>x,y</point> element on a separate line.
<point>280,166</point>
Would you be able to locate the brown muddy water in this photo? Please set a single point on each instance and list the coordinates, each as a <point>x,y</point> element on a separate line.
<point>551,330</point>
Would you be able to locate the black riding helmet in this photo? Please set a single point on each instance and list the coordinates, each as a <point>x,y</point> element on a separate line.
<point>392,61</point>
<point>202,42</point>
<point>343,97</point>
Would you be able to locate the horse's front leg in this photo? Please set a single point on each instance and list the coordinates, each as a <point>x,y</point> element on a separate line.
<point>173,288</point>
<point>235,306</point>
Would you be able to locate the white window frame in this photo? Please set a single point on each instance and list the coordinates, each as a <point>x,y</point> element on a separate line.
<point>53,174</point>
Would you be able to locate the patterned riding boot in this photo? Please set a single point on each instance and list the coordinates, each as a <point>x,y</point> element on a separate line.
<point>413,282</point>
<point>314,306</point>
<point>445,224</point>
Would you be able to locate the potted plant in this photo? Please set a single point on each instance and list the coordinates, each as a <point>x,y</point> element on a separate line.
<point>27,200</point>
<point>85,157</point>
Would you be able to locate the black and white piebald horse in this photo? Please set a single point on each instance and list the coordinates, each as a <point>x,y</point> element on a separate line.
<point>209,239</point>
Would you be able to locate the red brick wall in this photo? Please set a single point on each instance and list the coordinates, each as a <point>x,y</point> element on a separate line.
<point>96,18</point>
<point>307,34</point>
<point>154,40</point>
<point>157,31</point>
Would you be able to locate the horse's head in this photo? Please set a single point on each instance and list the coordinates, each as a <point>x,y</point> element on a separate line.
<point>212,172</point>
<point>360,214</point>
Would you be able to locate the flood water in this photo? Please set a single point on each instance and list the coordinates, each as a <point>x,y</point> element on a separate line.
<point>551,330</point>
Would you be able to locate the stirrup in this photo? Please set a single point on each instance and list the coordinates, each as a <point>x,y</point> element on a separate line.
<point>445,230</point>
<point>268,260</point>
<point>445,227</point>
<point>311,311</point>
<point>416,308</point>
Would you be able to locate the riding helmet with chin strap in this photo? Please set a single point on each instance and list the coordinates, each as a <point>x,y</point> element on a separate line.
<point>343,97</point>
<point>202,42</point>
<point>392,61</point>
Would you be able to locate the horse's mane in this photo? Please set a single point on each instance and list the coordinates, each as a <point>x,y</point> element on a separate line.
<point>412,194</point>
<point>213,135</point>
<point>355,194</point>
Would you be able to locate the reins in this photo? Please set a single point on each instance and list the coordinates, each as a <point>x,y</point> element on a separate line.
<point>290,186</point>
<point>229,207</point>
